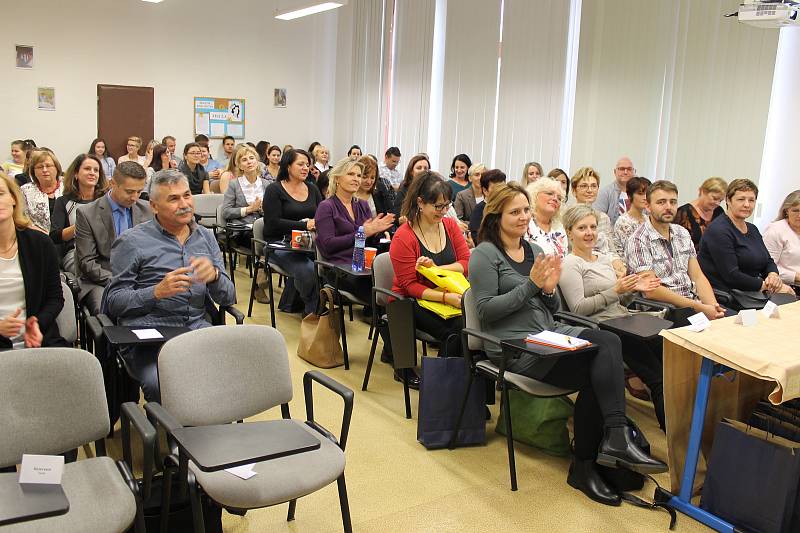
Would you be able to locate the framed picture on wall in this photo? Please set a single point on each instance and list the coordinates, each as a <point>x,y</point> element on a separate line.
<point>24,56</point>
<point>280,97</point>
<point>46,98</point>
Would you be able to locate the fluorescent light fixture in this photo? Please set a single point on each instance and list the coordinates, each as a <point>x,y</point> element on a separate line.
<point>153,1</point>
<point>306,8</point>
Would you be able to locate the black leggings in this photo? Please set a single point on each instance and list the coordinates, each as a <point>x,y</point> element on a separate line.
<point>447,332</point>
<point>646,360</point>
<point>597,377</point>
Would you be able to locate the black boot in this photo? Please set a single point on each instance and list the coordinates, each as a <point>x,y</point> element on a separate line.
<point>413,378</point>
<point>585,477</point>
<point>619,450</point>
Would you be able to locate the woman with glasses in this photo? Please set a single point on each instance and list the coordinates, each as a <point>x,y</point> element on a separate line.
<point>626,223</point>
<point>84,182</point>
<point>585,185</point>
<point>193,170</point>
<point>133,144</point>
<point>429,238</point>
<point>545,228</point>
<point>46,186</point>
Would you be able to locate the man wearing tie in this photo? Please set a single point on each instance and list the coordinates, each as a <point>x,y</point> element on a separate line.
<point>613,198</point>
<point>99,223</point>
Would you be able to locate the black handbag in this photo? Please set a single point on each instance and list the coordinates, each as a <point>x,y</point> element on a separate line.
<point>752,480</point>
<point>441,390</point>
<point>748,299</point>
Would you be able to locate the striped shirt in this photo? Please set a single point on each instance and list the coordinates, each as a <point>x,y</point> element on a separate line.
<point>669,259</point>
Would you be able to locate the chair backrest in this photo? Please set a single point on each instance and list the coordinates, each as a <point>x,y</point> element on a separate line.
<point>53,401</point>
<point>214,186</point>
<point>66,320</point>
<point>382,276</point>
<point>205,206</point>
<point>471,320</point>
<point>220,219</point>
<point>258,233</point>
<point>222,374</point>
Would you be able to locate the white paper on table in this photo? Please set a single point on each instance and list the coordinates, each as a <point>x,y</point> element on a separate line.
<point>42,469</point>
<point>771,310</point>
<point>746,317</point>
<point>143,334</point>
<point>699,322</point>
<point>244,471</point>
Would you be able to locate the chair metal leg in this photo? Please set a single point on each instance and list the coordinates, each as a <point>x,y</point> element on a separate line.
<point>369,362</point>
<point>350,306</point>
<point>371,331</point>
<point>197,505</point>
<point>252,293</point>
<point>512,465</point>
<point>166,497</point>
<point>271,296</point>
<point>139,524</point>
<point>292,507</point>
<point>338,296</point>
<point>452,444</point>
<point>424,349</point>
<point>406,395</point>
<point>348,527</point>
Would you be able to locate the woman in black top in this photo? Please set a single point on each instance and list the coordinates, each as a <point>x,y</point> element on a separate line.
<point>290,204</point>
<point>84,182</point>
<point>732,252</point>
<point>416,166</point>
<point>193,170</point>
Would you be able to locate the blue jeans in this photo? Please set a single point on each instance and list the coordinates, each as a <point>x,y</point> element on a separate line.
<point>304,273</point>
<point>142,365</point>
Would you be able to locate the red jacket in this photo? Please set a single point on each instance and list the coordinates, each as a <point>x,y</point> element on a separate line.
<point>404,252</point>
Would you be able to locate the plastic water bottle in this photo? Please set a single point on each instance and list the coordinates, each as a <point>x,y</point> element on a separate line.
<point>358,250</point>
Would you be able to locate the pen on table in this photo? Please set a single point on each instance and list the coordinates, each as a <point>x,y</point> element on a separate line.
<point>569,340</point>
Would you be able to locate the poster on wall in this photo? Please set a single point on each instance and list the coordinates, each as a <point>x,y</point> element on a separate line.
<point>280,97</point>
<point>46,98</point>
<point>24,56</point>
<point>219,117</point>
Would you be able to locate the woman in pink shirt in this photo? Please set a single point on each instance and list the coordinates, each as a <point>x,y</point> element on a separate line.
<point>782,239</point>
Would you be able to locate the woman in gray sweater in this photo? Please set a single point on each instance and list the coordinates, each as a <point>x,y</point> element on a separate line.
<point>515,291</point>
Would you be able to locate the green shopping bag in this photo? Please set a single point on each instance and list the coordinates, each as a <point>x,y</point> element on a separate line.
<point>539,422</point>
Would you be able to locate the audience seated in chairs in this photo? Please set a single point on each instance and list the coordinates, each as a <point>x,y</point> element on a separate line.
<point>193,170</point>
<point>290,204</point>
<point>591,288</point>
<point>782,239</point>
<point>339,217</point>
<point>732,252</point>
<point>163,271</point>
<point>467,199</point>
<point>489,180</point>
<point>626,223</point>
<point>700,212</point>
<point>429,238</point>
<point>30,283</point>
<point>514,285</point>
<point>416,167</point>
<point>45,187</point>
<point>99,223</point>
<point>585,184</point>
<point>666,250</point>
<point>612,199</point>
<point>545,229</point>
<point>376,191</point>
<point>84,182</point>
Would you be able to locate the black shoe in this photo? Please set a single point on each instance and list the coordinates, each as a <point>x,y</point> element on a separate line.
<point>413,378</point>
<point>619,450</point>
<point>585,477</point>
<point>386,355</point>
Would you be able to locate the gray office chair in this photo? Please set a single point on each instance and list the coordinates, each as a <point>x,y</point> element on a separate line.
<point>473,340</point>
<point>102,494</point>
<point>199,370</point>
<point>67,319</point>
<point>205,207</point>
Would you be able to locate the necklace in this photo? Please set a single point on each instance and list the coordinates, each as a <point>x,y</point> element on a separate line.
<point>48,193</point>
<point>425,241</point>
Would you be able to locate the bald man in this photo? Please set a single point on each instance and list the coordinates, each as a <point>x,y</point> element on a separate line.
<point>612,198</point>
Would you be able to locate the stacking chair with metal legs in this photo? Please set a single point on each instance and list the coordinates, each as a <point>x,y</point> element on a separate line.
<point>293,458</point>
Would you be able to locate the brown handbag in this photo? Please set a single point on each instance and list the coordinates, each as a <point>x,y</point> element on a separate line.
<point>319,334</point>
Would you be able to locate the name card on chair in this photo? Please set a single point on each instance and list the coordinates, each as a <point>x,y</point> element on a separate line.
<point>244,471</point>
<point>44,469</point>
<point>746,317</point>
<point>771,310</point>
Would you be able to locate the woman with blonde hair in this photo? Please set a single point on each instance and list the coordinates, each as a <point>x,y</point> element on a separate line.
<point>545,227</point>
<point>585,186</point>
<point>782,239</point>
<point>45,187</point>
<point>321,157</point>
<point>531,172</point>
<point>467,199</point>
<point>698,214</point>
<point>30,285</point>
<point>132,145</point>
<point>229,173</point>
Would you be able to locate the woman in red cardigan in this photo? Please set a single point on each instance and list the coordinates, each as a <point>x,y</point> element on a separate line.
<point>430,238</point>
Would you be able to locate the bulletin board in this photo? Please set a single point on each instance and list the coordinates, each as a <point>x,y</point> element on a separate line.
<point>219,117</point>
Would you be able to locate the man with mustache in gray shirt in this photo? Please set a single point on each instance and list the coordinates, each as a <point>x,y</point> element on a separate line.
<point>163,271</point>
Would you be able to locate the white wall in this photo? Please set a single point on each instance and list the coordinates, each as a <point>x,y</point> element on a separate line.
<point>182,48</point>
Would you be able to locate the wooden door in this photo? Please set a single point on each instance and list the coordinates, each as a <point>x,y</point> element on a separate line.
<point>123,111</point>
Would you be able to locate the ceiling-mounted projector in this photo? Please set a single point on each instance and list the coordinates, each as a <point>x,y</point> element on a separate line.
<point>769,13</point>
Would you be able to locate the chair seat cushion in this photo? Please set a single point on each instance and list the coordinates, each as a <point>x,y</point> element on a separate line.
<point>524,383</point>
<point>277,481</point>
<point>99,500</point>
<point>275,268</point>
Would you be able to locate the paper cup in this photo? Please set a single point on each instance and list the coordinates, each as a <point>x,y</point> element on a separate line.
<point>297,236</point>
<point>369,255</point>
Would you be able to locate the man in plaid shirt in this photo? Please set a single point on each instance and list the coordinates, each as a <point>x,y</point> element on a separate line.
<point>667,250</point>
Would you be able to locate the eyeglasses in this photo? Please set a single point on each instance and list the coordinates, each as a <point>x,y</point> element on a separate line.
<point>553,194</point>
<point>585,186</point>
<point>48,166</point>
<point>629,170</point>
<point>442,207</point>
<point>194,153</point>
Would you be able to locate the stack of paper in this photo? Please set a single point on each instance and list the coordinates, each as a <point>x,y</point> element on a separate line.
<point>557,340</point>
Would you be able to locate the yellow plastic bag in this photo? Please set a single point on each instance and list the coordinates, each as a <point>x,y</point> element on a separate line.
<point>445,279</point>
<point>443,310</point>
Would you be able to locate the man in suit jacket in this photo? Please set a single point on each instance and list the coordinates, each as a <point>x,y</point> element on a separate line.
<point>99,223</point>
